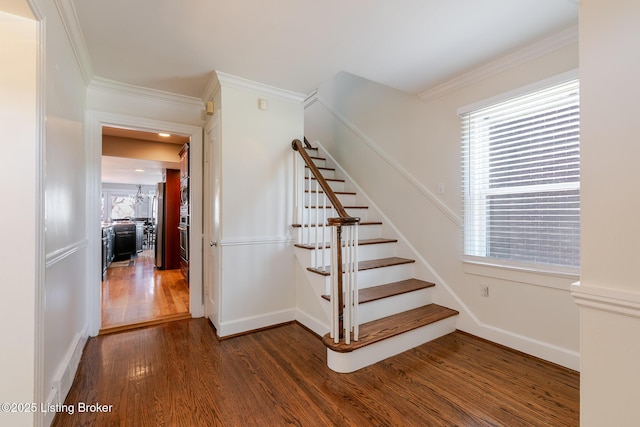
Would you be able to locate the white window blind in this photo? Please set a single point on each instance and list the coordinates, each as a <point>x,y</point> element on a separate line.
<point>521,173</point>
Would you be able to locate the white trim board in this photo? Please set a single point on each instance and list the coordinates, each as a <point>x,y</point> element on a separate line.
<point>102,84</point>
<point>610,300</point>
<point>62,253</point>
<point>94,122</point>
<point>249,324</point>
<point>69,18</point>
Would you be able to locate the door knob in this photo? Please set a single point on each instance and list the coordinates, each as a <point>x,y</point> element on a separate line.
<point>212,243</point>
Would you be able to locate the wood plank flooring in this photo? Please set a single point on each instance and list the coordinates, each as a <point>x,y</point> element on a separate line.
<point>179,374</point>
<point>138,294</point>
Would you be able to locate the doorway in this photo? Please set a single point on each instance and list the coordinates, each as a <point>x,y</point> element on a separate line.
<point>138,289</point>
<point>96,121</point>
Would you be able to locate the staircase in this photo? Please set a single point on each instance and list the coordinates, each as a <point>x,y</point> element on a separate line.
<point>395,310</point>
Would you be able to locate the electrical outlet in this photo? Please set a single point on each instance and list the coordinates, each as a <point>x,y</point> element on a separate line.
<point>484,290</point>
<point>441,188</point>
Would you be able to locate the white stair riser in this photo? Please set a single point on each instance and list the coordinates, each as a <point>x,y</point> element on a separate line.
<point>327,174</point>
<point>366,356</point>
<point>314,199</point>
<point>380,276</point>
<point>321,163</point>
<point>310,214</point>
<point>378,309</point>
<point>364,232</point>
<point>310,184</point>
<point>365,252</point>
<point>373,277</point>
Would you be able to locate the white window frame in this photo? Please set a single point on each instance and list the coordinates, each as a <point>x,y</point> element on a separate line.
<point>477,262</point>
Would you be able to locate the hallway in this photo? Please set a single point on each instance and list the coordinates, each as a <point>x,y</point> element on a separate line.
<point>135,293</point>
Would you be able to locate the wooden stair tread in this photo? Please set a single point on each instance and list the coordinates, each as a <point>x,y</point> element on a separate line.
<point>327,179</point>
<point>375,293</point>
<point>351,193</point>
<point>323,168</point>
<point>367,265</point>
<point>360,243</point>
<point>387,327</point>
<point>329,207</point>
<point>361,224</point>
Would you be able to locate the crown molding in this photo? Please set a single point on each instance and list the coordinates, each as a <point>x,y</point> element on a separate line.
<point>220,79</point>
<point>213,86</point>
<point>311,99</point>
<point>107,85</point>
<point>605,299</point>
<point>533,51</point>
<point>69,18</point>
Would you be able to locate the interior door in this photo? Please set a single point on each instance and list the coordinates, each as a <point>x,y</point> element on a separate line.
<point>212,183</point>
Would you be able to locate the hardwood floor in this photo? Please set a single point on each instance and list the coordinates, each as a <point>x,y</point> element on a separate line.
<point>179,374</point>
<point>135,294</point>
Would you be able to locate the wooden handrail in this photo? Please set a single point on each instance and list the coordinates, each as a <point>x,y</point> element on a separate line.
<point>344,217</point>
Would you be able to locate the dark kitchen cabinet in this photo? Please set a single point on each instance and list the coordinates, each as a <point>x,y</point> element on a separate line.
<point>125,240</point>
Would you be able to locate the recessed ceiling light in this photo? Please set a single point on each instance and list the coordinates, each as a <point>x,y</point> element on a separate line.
<point>164,134</point>
<point>138,170</point>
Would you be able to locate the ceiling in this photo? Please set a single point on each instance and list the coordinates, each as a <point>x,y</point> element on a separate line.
<point>121,170</point>
<point>145,136</point>
<point>411,45</point>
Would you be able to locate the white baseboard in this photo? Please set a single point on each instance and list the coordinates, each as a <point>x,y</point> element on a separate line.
<point>253,323</point>
<point>66,373</point>
<point>51,400</point>
<point>549,352</point>
<point>318,327</point>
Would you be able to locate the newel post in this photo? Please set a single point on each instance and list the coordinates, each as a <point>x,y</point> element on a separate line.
<point>339,278</point>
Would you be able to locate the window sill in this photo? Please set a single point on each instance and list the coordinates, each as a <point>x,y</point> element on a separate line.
<point>532,274</point>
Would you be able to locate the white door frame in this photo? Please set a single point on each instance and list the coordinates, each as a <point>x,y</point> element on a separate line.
<point>212,251</point>
<point>95,120</point>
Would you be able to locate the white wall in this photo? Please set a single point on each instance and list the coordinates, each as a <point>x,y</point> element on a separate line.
<point>257,285</point>
<point>398,148</point>
<point>18,177</point>
<point>47,298</point>
<point>609,292</point>
<point>65,316</point>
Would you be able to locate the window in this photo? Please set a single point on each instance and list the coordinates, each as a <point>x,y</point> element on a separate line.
<point>521,173</point>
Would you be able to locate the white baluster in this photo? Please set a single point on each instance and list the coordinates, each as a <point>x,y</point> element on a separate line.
<point>335,320</point>
<point>356,300</point>
<point>324,228</point>
<point>346,284</point>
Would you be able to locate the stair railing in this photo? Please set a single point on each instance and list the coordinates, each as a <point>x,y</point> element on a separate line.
<point>343,244</point>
